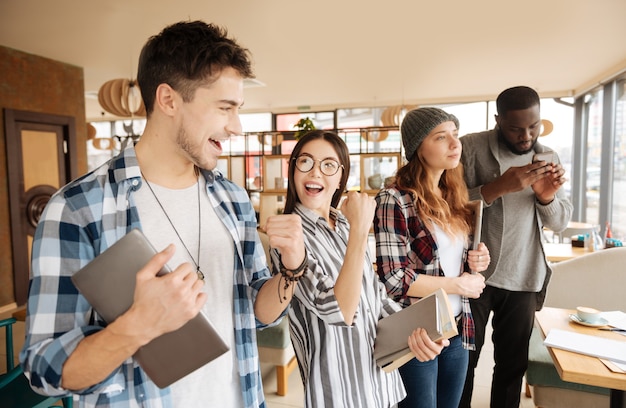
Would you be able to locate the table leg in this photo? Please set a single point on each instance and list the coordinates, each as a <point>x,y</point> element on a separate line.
<point>617,399</point>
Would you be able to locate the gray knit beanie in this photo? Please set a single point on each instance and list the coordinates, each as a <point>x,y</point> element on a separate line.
<point>418,123</point>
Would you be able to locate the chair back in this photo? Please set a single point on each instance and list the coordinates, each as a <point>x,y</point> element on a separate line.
<point>8,331</point>
<point>596,280</point>
<point>15,390</point>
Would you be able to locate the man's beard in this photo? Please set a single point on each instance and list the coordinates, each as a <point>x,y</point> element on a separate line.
<point>184,143</point>
<point>512,147</point>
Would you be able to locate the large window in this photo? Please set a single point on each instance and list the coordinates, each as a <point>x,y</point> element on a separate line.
<point>602,198</point>
<point>602,135</point>
<point>109,138</point>
<point>473,117</point>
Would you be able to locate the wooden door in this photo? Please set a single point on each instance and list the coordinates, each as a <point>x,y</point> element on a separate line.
<point>40,159</point>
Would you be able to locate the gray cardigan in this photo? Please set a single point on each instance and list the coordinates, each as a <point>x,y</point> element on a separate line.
<point>481,166</point>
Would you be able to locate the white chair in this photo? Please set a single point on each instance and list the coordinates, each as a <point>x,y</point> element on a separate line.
<point>596,280</point>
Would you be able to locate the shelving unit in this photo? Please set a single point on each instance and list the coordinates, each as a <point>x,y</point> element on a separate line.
<point>376,168</point>
<point>261,165</point>
<point>275,168</point>
<point>223,165</point>
<point>270,204</point>
<point>237,169</point>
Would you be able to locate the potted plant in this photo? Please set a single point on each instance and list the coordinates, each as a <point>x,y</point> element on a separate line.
<point>303,126</point>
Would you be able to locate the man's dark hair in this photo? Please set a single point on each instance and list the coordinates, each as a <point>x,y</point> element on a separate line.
<point>186,55</point>
<point>516,98</point>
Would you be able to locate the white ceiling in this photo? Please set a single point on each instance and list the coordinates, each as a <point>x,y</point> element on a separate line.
<point>346,53</point>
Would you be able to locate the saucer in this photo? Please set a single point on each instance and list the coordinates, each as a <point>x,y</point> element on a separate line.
<point>601,322</point>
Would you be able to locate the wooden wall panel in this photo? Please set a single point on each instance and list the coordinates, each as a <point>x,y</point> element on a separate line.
<point>33,83</point>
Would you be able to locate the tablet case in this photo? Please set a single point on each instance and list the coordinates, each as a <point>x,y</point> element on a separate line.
<point>432,312</point>
<point>108,284</point>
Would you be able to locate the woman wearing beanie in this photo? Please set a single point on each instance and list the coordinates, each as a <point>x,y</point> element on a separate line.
<point>422,227</point>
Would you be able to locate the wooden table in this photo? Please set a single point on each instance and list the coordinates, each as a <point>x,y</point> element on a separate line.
<point>20,314</point>
<point>580,368</point>
<point>562,252</point>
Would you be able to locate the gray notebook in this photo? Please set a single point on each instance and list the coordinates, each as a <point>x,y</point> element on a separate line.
<point>108,284</point>
<point>432,312</point>
<point>477,225</point>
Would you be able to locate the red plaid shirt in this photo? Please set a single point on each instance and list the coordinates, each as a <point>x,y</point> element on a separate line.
<point>406,248</point>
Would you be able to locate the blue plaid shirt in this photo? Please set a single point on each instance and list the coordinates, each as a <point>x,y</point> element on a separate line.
<point>82,220</point>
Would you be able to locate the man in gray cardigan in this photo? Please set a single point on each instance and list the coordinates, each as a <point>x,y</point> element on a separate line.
<point>520,198</point>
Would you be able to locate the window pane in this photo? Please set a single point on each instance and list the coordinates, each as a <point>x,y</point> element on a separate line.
<point>287,121</point>
<point>99,151</point>
<point>618,225</point>
<point>256,122</point>
<point>132,127</point>
<point>472,116</point>
<point>594,154</point>
<point>358,117</point>
<point>561,138</point>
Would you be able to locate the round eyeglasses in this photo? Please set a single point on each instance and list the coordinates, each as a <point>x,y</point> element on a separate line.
<point>328,167</point>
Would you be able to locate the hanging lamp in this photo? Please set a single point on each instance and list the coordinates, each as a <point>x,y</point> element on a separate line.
<point>546,127</point>
<point>121,97</point>
<point>391,116</point>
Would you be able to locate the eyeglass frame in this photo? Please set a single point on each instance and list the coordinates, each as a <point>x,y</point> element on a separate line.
<point>320,161</point>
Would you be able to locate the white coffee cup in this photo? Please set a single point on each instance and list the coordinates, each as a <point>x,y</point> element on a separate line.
<point>588,314</point>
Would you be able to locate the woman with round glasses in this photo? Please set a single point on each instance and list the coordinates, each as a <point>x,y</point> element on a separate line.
<point>339,299</point>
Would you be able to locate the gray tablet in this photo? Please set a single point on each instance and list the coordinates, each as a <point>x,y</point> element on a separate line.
<point>108,284</point>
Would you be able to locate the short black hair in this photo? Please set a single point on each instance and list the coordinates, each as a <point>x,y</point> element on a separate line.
<point>516,98</point>
<point>186,55</point>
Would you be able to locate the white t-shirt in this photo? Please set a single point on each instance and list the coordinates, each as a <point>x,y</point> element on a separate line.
<point>450,258</point>
<point>217,383</point>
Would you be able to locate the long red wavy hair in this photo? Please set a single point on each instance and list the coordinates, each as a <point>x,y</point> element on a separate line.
<point>450,211</point>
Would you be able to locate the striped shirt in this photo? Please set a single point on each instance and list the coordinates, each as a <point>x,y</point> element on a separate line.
<point>82,220</point>
<point>405,248</point>
<point>336,360</point>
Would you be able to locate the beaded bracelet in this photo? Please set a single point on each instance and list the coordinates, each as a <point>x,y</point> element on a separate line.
<point>290,276</point>
<point>293,272</point>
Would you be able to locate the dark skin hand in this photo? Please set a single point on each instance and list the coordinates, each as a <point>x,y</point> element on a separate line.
<point>545,188</point>
<point>545,179</point>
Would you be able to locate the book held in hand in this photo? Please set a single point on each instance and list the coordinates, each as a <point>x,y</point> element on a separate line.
<point>477,224</point>
<point>432,313</point>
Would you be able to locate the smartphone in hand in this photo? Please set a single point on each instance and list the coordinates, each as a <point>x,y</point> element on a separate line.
<point>545,156</point>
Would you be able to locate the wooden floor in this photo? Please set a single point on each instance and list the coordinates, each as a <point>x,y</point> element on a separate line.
<point>480,399</point>
<point>294,397</point>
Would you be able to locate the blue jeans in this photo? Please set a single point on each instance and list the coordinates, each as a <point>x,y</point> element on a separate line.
<point>437,383</point>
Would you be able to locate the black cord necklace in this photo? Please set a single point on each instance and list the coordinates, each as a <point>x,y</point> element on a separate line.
<point>197,264</point>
